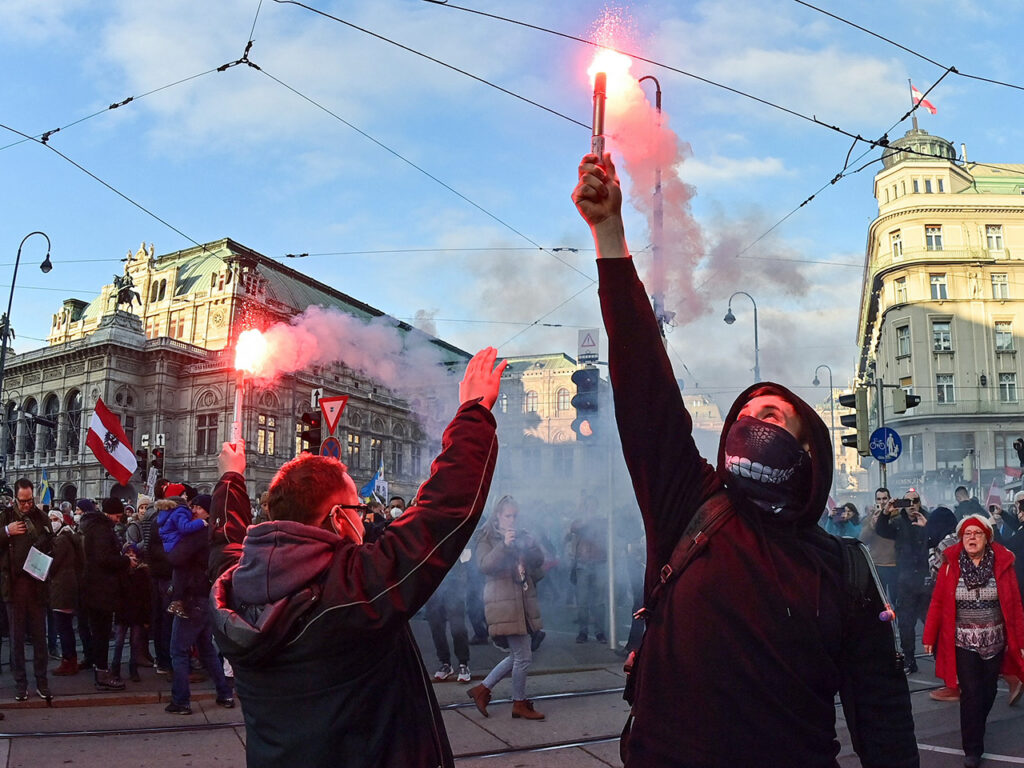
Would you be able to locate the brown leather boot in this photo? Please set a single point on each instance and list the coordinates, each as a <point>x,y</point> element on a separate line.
<point>67,667</point>
<point>525,710</point>
<point>481,696</point>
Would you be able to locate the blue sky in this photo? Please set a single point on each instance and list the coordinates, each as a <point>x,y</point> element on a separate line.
<point>236,154</point>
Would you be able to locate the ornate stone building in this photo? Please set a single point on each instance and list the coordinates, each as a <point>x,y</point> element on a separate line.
<point>165,367</point>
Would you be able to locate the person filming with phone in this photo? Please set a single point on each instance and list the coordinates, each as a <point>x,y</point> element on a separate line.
<point>904,521</point>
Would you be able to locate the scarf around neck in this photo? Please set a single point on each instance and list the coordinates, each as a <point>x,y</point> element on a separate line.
<point>977,576</point>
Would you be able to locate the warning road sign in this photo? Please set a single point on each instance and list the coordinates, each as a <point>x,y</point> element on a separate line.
<point>588,340</point>
<point>331,407</point>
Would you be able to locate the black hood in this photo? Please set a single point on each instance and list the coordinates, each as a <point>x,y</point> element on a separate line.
<point>816,434</point>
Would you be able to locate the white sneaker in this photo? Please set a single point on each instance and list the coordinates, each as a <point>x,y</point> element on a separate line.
<point>444,672</point>
<point>464,674</point>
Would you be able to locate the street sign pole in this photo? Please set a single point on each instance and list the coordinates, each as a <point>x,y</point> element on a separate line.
<point>882,473</point>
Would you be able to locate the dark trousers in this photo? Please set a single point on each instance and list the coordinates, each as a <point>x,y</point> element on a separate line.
<point>86,636</point>
<point>66,633</point>
<point>135,634</point>
<point>161,624</point>
<point>978,678</point>
<point>196,630</point>
<point>911,606</point>
<point>887,575</point>
<point>100,624</point>
<point>51,631</point>
<point>447,606</point>
<point>26,612</point>
<point>591,594</point>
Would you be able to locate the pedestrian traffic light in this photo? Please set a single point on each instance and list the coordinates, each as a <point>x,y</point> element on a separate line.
<point>858,400</point>
<point>585,402</point>
<point>142,455</point>
<point>902,400</point>
<point>158,460</point>
<point>311,434</point>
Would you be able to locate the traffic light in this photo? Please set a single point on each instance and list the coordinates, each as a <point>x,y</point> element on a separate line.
<point>585,402</point>
<point>858,400</point>
<point>158,460</point>
<point>311,435</point>
<point>902,400</point>
<point>143,458</point>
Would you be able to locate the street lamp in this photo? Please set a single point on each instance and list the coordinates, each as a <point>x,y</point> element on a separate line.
<point>46,266</point>
<point>658,299</point>
<point>730,318</point>
<point>832,407</point>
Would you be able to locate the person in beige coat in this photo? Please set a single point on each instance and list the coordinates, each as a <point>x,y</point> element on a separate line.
<point>510,560</point>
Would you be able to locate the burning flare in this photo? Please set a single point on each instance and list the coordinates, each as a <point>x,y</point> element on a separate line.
<point>251,351</point>
<point>616,66</point>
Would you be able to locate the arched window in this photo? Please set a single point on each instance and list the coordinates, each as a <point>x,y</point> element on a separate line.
<point>213,280</point>
<point>532,402</point>
<point>30,408</point>
<point>51,409</point>
<point>562,400</point>
<point>163,290</point>
<point>153,291</point>
<point>73,422</point>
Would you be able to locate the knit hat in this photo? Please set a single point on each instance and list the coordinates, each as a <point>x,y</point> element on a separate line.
<point>113,507</point>
<point>978,521</point>
<point>203,500</point>
<point>173,489</point>
<point>86,505</point>
<point>143,499</point>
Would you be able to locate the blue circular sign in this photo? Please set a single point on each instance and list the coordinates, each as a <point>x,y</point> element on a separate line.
<point>331,448</point>
<point>886,444</point>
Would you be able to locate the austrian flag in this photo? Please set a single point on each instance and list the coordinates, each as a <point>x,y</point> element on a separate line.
<point>110,444</point>
<point>920,99</point>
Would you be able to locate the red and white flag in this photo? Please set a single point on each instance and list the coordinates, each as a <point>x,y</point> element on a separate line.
<point>110,444</point>
<point>919,99</point>
<point>995,494</point>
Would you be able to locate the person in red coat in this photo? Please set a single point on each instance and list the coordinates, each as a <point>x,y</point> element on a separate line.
<point>975,626</point>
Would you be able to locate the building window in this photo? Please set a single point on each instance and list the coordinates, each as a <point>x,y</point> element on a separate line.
<point>900,284</point>
<point>266,433</point>
<point>396,458</point>
<point>951,448</point>
<point>942,336</point>
<point>354,441</point>
<point>933,237</point>
<point>903,341</point>
<point>897,245</point>
<point>51,410</point>
<point>163,291</point>
<point>928,186</point>
<point>503,402</point>
<point>415,460</point>
<point>942,187</point>
<point>73,423</point>
<point>206,435</point>
<point>903,187</point>
<point>1004,335</point>
<point>562,400</point>
<point>376,452</point>
<point>532,402</point>
<point>300,444</point>
<point>561,461</point>
<point>1007,387</point>
<point>1000,286</point>
<point>1006,454</point>
<point>944,388</point>
<point>994,236</point>
<point>939,287</point>
<point>128,424</point>
<point>12,429</point>
<point>917,187</point>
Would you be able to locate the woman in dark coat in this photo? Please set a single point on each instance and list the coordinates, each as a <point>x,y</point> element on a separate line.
<point>65,571</point>
<point>509,559</point>
<point>975,626</point>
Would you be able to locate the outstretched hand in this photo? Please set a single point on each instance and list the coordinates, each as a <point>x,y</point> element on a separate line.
<point>598,195</point>
<point>232,458</point>
<point>482,378</point>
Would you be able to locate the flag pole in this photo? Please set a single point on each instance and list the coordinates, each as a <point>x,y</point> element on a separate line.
<point>910,85</point>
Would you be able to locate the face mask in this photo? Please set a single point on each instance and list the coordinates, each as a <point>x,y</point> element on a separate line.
<point>55,525</point>
<point>395,512</point>
<point>77,519</point>
<point>767,464</point>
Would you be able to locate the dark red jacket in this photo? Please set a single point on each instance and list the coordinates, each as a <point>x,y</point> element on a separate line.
<point>746,651</point>
<point>940,625</point>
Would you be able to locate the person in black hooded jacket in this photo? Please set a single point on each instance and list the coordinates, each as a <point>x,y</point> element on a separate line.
<point>746,649</point>
<point>315,622</point>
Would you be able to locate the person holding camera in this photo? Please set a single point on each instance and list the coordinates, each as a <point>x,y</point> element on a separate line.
<point>905,523</point>
<point>315,623</point>
<point>844,521</point>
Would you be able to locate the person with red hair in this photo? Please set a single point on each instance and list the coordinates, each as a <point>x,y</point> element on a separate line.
<point>975,627</point>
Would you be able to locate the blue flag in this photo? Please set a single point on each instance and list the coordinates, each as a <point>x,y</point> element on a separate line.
<point>45,491</point>
<point>367,490</point>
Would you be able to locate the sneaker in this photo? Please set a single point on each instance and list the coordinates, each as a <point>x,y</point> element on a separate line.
<point>43,692</point>
<point>581,637</point>
<point>178,709</point>
<point>910,668</point>
<point>178,609</point>
<point>444,672</point>
<point>114,683</point>
<point>464,674</point>
<point>945,694</point>
<point>228,703</point>
<point>162,670</point>
<point>21,696</point>
<point>600,637</point>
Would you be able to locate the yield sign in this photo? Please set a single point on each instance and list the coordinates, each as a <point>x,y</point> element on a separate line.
<point>331,408</point>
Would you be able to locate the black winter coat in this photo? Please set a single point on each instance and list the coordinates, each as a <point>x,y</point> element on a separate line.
<point>102,584</point>
<point>331,676</point>
<point>746,650</point>
<point>911,550</point>
<point>14,549</point>
<point>66,569</point>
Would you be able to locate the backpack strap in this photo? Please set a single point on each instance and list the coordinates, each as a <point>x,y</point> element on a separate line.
<point>860,580</point>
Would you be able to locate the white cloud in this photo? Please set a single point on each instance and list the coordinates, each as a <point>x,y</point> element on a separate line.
<point>718,170</point>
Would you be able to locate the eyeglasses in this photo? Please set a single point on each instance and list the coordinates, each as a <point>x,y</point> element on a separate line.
<point>26,501</point>
<point>915,501</point>
<point>363,508</point>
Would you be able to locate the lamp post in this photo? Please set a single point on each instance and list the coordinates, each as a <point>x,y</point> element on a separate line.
<point>832,407</point>
<point>658,299</point>
<point>46,266</point>
<point>730,318</point>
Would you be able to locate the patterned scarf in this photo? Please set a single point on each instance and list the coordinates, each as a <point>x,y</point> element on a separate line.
<point>977,576</point>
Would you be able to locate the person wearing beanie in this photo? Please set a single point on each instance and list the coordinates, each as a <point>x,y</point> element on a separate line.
<point>176,520</point>
<point>975,627</point>
<point>101,583</point>
<point>768,570</point>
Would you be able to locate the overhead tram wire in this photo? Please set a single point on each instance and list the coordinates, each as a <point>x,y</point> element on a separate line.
<point>538,323</point>
<point>911,51</point>
<point>422,170</point>
<point>482,249</point>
